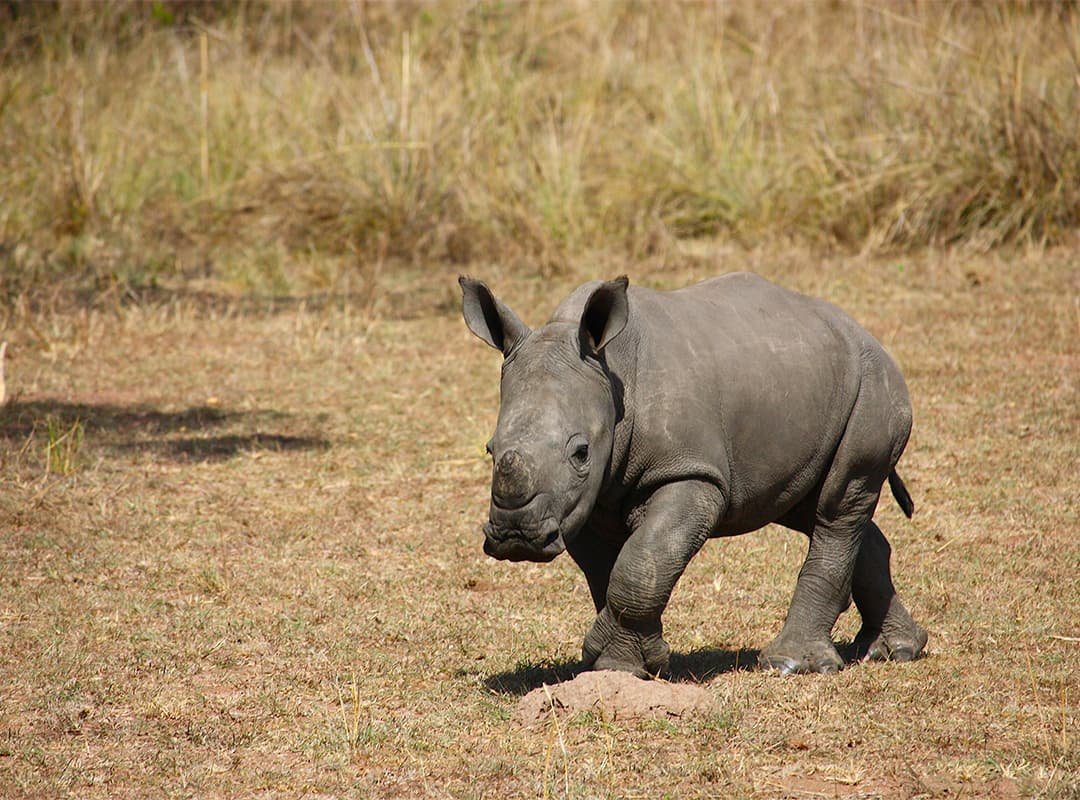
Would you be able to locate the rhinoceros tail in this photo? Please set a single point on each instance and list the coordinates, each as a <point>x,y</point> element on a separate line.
<point>900,492</point>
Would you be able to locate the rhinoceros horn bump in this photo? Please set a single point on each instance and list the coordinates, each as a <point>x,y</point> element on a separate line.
<point>512,484</point>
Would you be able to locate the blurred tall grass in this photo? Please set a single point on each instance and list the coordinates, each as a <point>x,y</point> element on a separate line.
<point>335,137</point>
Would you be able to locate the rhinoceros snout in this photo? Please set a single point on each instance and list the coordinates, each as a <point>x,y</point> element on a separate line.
<point>511,484</point>
<point>542,543</point>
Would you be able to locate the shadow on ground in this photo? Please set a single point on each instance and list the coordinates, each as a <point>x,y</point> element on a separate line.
<point>142,428</point>
<point>697,666</point>
<point>527,677</point>
<point>218,448</point>
<point>19,419</point>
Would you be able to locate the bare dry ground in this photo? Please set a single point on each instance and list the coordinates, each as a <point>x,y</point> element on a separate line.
<point>262,576</point>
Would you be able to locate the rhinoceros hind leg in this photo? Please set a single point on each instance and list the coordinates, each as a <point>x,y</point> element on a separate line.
<point>837,517</point>
<point>888,631</point>
<point>884,648</point>
<point>822,592</point>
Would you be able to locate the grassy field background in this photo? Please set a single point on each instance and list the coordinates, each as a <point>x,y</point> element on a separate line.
<point>241,458</point>
<point>297,147</point>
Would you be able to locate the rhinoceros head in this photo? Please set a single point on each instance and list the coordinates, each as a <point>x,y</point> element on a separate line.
<point>557,414</point>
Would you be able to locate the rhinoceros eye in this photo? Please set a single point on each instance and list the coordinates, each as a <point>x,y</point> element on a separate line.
<point>577,453</point>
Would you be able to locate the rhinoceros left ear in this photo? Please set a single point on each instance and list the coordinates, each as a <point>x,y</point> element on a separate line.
<point>489,318</point>
<point>605,315</point>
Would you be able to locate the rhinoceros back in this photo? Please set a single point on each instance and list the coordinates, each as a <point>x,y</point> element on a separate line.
<point>737,381</point>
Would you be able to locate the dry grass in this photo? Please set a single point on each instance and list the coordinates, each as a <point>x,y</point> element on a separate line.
<point>241,476</point>
<point>263,575</point>
<point>318,140</point>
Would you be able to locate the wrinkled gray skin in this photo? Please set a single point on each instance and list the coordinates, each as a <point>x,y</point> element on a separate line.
<point>636,424</point>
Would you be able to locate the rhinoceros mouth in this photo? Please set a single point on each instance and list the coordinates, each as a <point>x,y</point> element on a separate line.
<point>510,544</point>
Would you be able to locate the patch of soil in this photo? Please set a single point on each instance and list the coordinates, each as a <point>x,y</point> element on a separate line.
<point>615,696</point>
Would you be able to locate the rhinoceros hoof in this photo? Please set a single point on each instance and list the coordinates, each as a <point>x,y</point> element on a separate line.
<point>616,664</point>
<point>629,651</point>
<point>884,647</point>
<point>796,660</point>
<point>610,646</point>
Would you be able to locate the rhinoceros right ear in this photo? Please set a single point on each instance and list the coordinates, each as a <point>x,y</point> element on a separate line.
<point>605,315</point>
<point>489,318</point>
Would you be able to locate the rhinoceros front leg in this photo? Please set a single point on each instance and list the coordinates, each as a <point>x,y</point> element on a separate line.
<point>628,634</point>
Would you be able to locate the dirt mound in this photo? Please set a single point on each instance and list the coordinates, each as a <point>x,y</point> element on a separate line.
<point>615,695</point>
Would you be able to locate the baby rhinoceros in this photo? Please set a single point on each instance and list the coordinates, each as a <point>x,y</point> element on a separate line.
<point>636,424</point>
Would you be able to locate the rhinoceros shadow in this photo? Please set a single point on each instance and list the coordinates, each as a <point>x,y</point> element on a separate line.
<point>697,666</point>
<point>526,677</point>
<point>139,427</point>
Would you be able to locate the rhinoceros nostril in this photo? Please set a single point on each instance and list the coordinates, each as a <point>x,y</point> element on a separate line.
<point>511,485</point>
